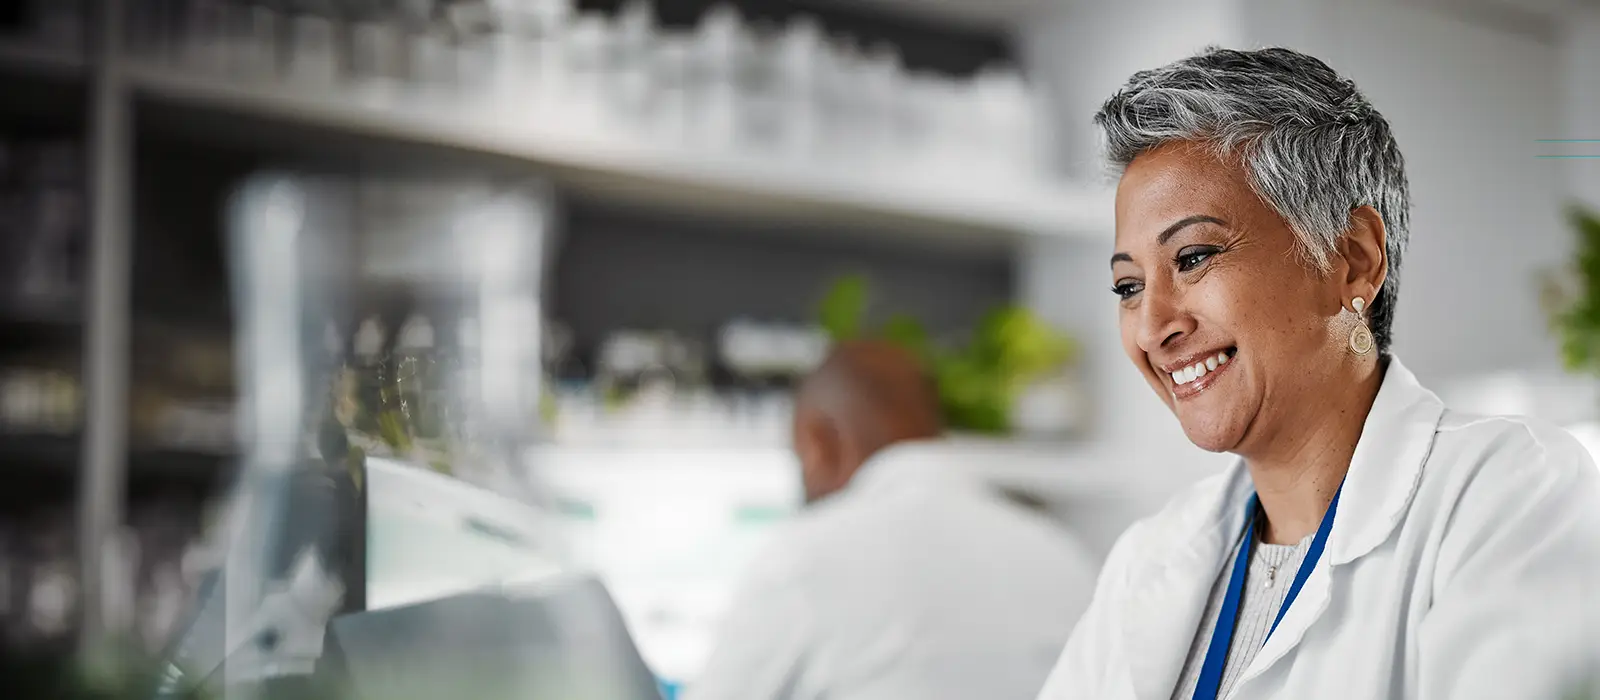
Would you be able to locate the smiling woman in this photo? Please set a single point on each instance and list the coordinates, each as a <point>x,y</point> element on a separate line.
<point>1262,214</point>
<point>1234,280</point>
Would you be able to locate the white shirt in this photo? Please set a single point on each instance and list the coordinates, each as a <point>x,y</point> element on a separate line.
<point>1464,562</point>
<point>913,582</point>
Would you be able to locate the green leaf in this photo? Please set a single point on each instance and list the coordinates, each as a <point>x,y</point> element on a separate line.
<point>910,334</point>
<point>1021,345</point>
<point>843,308</point>
<point>1577,318</point>
<point>973,396</point>
<point>977,383</point>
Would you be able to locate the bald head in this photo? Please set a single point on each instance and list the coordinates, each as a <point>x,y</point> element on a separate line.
<point>865,396</point>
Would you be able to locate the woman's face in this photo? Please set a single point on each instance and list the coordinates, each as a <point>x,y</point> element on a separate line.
<point>1230,327</point>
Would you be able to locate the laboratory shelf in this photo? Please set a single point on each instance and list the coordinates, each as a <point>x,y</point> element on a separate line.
<point>42,90</point>
<point>31,330</point>
<point>35,455</point>
<point>618,166</point>
<point>27,59</point>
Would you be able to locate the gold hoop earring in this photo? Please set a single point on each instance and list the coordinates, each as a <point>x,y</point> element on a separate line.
<point>1361,340</point>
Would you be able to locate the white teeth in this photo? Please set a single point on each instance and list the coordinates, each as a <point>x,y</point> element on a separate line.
<point>1200,369</point>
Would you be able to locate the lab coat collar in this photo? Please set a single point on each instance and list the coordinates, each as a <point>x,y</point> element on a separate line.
<point>1387,466</point>
<point>911,461</point>
<point>1170,593</point>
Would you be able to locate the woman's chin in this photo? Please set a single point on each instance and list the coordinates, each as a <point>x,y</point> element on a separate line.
<point>1211,437</point>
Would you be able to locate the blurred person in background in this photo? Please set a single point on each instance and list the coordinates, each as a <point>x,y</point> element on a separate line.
<point>1369,542</point>
<point>904,577</point>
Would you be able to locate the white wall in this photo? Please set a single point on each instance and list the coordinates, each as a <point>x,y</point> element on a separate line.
<point>1580,76</point>
<point>1086,49</point>
<point>1467,103</point>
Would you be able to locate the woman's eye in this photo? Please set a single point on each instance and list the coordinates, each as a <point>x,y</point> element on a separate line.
<point>1126,289</point>
<point>1190,258</point>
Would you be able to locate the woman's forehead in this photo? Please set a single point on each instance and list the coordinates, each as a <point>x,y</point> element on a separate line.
<point>1169,184</point>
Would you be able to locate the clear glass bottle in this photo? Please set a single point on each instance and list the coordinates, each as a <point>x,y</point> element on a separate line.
<point>370,372</point>
<point>718,56</point>
<point>415,390</point>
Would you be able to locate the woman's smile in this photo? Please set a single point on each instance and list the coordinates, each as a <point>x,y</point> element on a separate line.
<point>1194,374</point>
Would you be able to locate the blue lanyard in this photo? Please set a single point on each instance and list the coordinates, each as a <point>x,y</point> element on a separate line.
<point>1222,636</point>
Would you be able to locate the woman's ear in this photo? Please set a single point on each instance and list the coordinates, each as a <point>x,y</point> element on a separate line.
<point>1365,250</point>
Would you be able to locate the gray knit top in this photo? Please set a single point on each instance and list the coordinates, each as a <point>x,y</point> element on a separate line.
<point>1272,570</point>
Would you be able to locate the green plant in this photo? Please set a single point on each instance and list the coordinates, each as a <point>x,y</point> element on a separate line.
<point>978,381</point>
<point>1573,298</point>
<point>844,308</point>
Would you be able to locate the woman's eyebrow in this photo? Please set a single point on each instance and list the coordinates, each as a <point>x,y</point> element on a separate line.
<point>1185,222</point>
<point>1170,231</point>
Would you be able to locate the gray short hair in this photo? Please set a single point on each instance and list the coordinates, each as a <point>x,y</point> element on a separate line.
<point>1314,148</point>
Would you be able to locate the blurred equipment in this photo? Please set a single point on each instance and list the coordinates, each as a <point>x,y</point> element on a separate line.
<point>764,351</point>
<point>558,640</point>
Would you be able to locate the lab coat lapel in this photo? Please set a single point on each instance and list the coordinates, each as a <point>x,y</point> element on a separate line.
<point>1169,592</point>
<point>1383,477</point>
<point>1307,608</point>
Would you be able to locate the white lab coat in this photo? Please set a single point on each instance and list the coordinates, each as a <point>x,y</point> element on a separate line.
<point>915,582</point>
<point>1462,564</point>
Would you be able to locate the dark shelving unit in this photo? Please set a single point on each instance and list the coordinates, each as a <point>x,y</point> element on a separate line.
<point>53,459</point>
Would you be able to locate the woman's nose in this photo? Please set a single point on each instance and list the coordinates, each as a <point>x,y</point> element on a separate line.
<point>1162,318</point>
